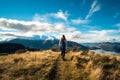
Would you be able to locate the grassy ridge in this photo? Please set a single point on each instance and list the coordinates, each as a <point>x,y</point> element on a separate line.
<point>48,65</point>
<point>97,66</point>
<point>27,66</point>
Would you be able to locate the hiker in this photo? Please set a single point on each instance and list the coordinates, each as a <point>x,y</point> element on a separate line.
<point>63,46</point>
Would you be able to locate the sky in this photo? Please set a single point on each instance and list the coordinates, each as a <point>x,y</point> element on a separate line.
<point>79,20</point>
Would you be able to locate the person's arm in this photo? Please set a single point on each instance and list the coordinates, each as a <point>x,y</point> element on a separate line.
<point>66,44</point>
<point>59,43</point>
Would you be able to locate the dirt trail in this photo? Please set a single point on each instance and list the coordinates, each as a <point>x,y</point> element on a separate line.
<point>65,69</point>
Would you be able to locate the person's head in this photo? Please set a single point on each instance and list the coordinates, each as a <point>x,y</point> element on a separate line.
<point>63,38</point>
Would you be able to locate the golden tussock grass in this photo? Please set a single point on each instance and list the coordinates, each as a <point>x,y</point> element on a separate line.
<point>27,66</point>
<point>97,66</point>
<point>96,74</point>
<point>89,65</point>
<point>48,65</point>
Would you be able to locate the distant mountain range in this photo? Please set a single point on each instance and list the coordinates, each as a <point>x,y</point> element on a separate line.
<point>107,46</point>
<point>16,44</point>
<point>43,44</point>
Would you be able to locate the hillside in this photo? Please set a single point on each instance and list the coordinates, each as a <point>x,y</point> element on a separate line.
<point>10,47</point>
<point>14,47</point>
<point>107,46</point>
<point>48,65</point>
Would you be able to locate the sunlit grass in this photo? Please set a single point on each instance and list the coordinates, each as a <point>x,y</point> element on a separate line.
<point>27,66</point>
<point>48,65</point>
<point>97,66</point>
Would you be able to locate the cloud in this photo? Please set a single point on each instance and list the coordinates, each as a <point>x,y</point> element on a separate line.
<point>105,35</point>
<point>103,32</point>
<point>79,21</point>
<point>26,26</point>
<point>80,37</point>
<point>11,29</point>
<point>14,25</point>
<point>94,8</point>
<point>94,36</point>
<point>8,35</point>
<point>15,28</point>
<point>42,26</point>
<point>40,18</point>
<point>61,28</point>
<point>61,15</point>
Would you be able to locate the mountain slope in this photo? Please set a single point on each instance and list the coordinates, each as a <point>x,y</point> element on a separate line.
<point>107,46</point>
<point>10,47</point>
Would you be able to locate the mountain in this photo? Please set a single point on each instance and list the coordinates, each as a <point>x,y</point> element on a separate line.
<point>10,47</point>
<point>107,46</point>
<point>7,47</point>
<point>43,44</point>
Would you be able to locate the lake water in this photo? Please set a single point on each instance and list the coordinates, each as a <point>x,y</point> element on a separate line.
<point>100,51</point>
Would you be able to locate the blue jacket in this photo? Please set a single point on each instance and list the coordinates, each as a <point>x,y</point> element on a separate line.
<point>63,45</point>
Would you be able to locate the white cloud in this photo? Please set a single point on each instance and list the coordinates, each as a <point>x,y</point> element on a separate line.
<point>8,35</point>
<point>79,21</point>
<point>26,26</point>
<point>104,35</point>
<point>40,18</point>
<point>61,15</point>
<point>11,29</point>
<point>32,28</point>
<point>94,8</point>
<point>93,36</point>
<point>15,28</point>
<point>103,32</point>
<point>61,28</point>
<point>15,25</point>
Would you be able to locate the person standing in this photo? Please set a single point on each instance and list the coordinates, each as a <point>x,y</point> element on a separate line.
<point>63,46</point>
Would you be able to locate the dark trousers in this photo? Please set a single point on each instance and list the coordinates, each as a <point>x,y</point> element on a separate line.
<point>63,54</point>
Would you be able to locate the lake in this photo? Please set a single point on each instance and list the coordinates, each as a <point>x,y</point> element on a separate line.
<point>100,51</point>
